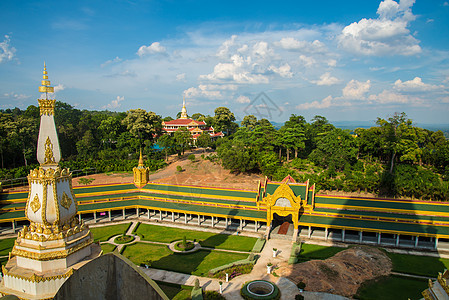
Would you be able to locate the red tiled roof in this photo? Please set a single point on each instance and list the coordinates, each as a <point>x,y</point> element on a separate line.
<point>184,122</point>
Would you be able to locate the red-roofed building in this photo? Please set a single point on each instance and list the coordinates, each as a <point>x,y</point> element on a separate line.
<point>195,127</point>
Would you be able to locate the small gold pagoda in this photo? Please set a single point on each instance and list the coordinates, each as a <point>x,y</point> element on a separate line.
<point>141,173</point>
<point>47,251</point>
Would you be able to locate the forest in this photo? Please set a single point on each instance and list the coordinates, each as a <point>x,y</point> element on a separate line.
<point>395,158</point>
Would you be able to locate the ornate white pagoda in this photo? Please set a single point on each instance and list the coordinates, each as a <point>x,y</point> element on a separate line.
<point>47,251</point>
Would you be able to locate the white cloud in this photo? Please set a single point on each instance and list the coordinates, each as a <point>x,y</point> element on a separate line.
<point>242,99</point>
<point>111,61</point>
<point>356,89</point>
<point>307,61</point>
<point>202,92</point>
<point>16,96</point>
<point>292,44</point>
<point>446,3</point>
<point>224,50</point>
<point>332,63</point>
<point>59,87</point>
<point>6,51</point>
<point>114,103</point>
<point>386,35</point>
<point>181,77</point>
<point>415,85</point>
<point>154,48</point>
<point>325,103</point>
<point>326,79</point>
<point>283,71</point>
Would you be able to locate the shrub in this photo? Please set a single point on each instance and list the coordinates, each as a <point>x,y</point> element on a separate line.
<point>301,285</point>
<point>299,297</point>
<point>191,157</point>
<point>213,295</point>
<point>179,168</point>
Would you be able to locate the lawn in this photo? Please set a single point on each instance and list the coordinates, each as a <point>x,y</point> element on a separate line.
<point>198,263</point>
<point>6,246</point>
<point>175,291</point>
<point>107,248</point>
<point>309,251</point>
<point>392,288</point>
<point>419,265</point>
<point>207,239</point>
<point>104,233</point>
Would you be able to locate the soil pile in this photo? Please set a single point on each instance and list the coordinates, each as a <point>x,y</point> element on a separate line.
<point>341,274</point>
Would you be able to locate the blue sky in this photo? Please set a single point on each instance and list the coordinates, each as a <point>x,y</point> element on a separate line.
<point>345,60</point>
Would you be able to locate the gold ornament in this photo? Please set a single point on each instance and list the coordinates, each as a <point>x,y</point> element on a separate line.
<point>35,204</point>
<point>66,201</point>
<point>49,158</point>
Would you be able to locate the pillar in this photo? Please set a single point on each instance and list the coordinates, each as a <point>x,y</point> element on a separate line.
<point>226,225</point>
<point>326,233</point>
<point>212,221</point>
<point>256,226</point>
<point>95,217</point>
<point>148,213</point>
<point>199,220</point>
<point>185,218</point>
<point>379,237</point>
<point>79,217</point>
<point>342,235</point>
<point>397,240</point>
<point>309,232</point>
<point>416,241</point>
<point>160,215</point>
<point>360,236</point>
<point>295,234</point>
<point>13,226</point>
<point>137,212</point>
<point>172,216</point>
<point>241,226</point>
<point>109,214</point>
<point>436,243</point>
<point>123,212</point>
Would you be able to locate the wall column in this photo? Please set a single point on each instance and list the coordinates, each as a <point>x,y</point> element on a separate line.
<point>360,236</point>
<point>95,217</point>
<point>160,216</point>
<point>397,240</point>
<point>79,217</point>
<point>137,212</point>
<point>309,232</point>
<point>173,216</point>
<point>212,221</point>
<point>326,233</point>
<point>199,220</point>
<point>342,235</point>
<point>13,226</point>
<point>379,237</point>
<point>416,241</point>
<point>256,226</point>
<point>226,225</point>
<point>241,226</point>
<point>436,243</point>
<point>123,212</point>
<point>185,218</point>
<point>109,213</point>
<point>148,214</point>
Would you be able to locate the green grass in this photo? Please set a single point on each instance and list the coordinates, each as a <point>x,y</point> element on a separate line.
<point>220,241</point>
<point>309,251</point>
<point>392,288</point>
<point>102,234</point>
<point>175,291</point>
<point>107,248</point>
<point>6,246</point>
<point>198,263</point>
<point>419,265</point>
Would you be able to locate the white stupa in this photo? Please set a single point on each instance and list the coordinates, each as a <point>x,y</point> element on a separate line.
<point>47,251</point>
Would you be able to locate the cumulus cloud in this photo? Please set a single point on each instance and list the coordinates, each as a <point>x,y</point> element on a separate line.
<point>242,99</point>
<point>6,51</point>
<point>154,48</point>
<point>114,103</point>
<point>16,96</point>
<point>59,88</point>
<point>356,89</point>
<point>415,85</point>
<point>307,61</point>
<point>202,91</point>
<point>326,79</point>
<point>283,71</point>
<point>292,44</point>
<point>386,35</point>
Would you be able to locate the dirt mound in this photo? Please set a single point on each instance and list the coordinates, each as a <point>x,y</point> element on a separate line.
<point>341,274</point>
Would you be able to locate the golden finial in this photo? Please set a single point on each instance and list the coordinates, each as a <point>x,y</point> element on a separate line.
<point>140,159</point>
<point>46,88</point>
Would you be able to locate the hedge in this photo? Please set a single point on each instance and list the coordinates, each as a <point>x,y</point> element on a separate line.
<point>258,246</point>
<point>236,263</point>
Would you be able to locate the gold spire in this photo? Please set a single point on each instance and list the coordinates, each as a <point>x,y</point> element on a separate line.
<point>184,110</point>
<point>140,164</point>
<point>46,88</point>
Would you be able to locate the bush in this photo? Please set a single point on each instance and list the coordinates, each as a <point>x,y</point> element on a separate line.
<point>299,297</point>
<point>213,295</point>
<point>301,285</point>
<point>179,168</point>
<point>191,157</point>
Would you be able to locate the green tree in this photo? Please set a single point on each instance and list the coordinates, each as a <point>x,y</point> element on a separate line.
<point>204,140</point>
<point>224,120</point>
<point>197,116</point>
<point>143,124</point>
<point>167,142</point>
<point>249,122</point>
<point>183,138</point>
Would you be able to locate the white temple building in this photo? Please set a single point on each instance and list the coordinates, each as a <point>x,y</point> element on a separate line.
<point>55,243</point>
